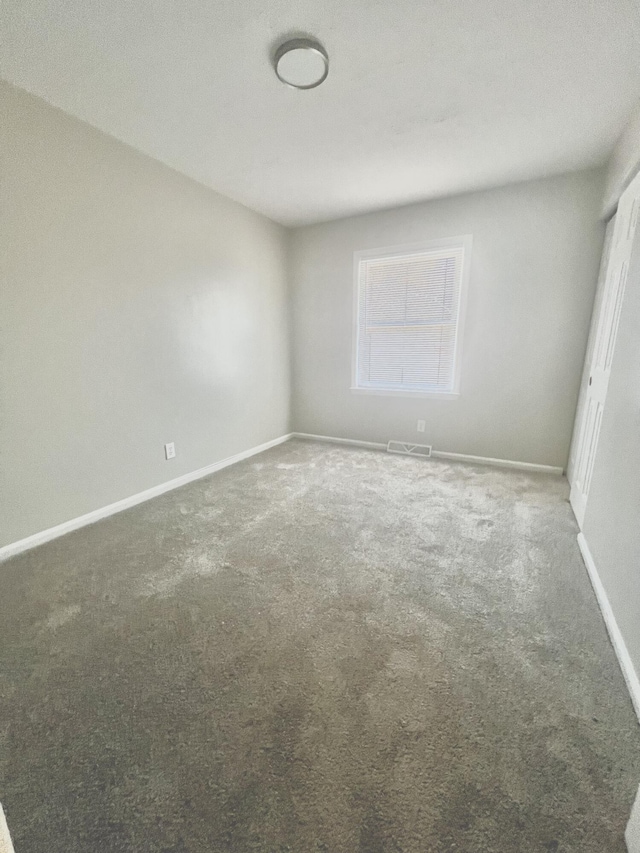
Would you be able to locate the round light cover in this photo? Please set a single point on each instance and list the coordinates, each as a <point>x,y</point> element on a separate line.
<point>301,63</point>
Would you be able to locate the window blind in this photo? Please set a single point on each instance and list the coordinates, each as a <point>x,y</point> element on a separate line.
<point>408,308</point>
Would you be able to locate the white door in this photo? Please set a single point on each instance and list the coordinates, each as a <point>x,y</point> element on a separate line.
<point>601,353</point>
<point>586,370</point>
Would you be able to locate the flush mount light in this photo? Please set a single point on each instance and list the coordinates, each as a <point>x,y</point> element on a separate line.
<point>301,63</point>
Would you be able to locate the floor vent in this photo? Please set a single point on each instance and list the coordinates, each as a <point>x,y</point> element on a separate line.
<point>407,448</point>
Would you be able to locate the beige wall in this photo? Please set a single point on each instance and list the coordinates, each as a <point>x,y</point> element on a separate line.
<point>137,308</point>
<point>536,251</point>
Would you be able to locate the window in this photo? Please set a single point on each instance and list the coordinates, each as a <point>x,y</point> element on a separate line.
<point>409,318</point>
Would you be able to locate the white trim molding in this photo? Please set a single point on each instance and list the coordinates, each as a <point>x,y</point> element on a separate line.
<point>440,454</point>
<point>533,467</point>
<point>331,439</point>
<point>43,536</point>
<point>394,392</point>
<point>632,834</point>
<point>617,640</point>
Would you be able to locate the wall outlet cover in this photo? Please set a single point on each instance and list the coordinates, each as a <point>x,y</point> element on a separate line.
<point>421,426</point>
<point>170,450</point>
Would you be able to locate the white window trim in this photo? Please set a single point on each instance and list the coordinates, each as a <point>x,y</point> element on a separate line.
<point>463,242</point>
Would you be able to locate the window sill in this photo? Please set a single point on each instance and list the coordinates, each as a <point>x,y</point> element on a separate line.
<point>393,392</point>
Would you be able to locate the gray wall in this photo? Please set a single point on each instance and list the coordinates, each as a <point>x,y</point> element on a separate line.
<point>137,308</point>
<point>536,251</point>
<point>623,163</point>
<point>612,520</point>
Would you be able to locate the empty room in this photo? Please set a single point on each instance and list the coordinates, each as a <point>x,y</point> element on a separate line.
<point>320,426</point>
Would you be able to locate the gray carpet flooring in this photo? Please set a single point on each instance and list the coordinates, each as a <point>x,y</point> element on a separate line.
<point>319,650</point>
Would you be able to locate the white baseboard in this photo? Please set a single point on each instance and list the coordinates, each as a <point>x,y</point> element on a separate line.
<point>307,436</point>
<point>440,454</point>
<point>83,520</point>
<point>533,467</point>
<point>617,640</point>
<point>632,835</point>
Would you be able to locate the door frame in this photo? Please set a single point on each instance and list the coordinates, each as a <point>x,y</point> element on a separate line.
<point>601,346</point>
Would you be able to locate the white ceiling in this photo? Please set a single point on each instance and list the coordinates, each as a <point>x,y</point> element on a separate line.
<point>424,97</point>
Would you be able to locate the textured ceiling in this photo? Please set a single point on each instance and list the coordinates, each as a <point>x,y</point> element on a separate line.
<point>424,97</point>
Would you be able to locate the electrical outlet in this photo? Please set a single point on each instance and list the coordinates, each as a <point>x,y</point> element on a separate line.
<point>421,425</point>
<point>170,450</point>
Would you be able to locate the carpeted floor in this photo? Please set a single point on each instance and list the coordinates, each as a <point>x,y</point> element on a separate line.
<point>320,650</point>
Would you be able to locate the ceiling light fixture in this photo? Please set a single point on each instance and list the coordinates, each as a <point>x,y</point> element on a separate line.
<point>301,63</point>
